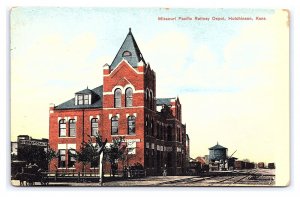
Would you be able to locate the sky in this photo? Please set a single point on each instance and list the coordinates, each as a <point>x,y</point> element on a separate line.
<point>232,77</point>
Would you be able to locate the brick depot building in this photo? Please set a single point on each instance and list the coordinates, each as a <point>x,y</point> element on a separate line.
<point>125,105</point>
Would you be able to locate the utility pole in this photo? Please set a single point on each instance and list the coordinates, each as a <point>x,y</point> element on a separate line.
<point>101,162</point>
<point>100,169</point>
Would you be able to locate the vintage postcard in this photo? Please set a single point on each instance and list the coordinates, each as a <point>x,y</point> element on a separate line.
<point>149,97</point>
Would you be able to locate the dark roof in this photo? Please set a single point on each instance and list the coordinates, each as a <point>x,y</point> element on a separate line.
<point>161,101</point>
<point>85,91</point>
<point>97,100</point>
<point>217,147</point>
<point>130,45</point>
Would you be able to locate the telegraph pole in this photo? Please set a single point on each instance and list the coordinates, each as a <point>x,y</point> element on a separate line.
<point>101,162</point>
<point>100,169</point>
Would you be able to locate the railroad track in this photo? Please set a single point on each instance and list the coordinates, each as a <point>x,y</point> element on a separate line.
<point>184,181</point>
<point>249,178</point>
<point>246,178</point>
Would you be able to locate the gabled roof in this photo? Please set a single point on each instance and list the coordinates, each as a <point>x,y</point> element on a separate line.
<point>217,147</point>
<point>130,45</point>
<point>97,103</point>
<point>162,101</point>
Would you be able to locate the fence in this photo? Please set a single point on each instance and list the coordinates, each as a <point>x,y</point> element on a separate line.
<point>73,176</point>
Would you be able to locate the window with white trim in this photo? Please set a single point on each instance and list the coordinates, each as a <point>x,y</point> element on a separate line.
<point>117,97</point>
<point>72,128</point>
<point>94,126</point>
<point>62,128</point>
<point>131,125</point>
<point>62,158</point>
<point>82,99</point>
<point>128,95</point>
<point>71,158</point>
<point>114,125</point>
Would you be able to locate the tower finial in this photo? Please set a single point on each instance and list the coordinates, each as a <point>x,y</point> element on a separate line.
<point>129,29</point>
<point>217,143</point>
<point>87,87</point>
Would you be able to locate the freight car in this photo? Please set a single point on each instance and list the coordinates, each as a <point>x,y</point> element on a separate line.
<point>241,165</point>
<point>271,165</point>
<point>261,165</point>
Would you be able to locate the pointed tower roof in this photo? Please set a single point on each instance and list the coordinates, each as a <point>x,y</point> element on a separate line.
<point>129,51</point>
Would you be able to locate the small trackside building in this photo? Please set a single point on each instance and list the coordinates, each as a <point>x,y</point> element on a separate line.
<point>125,105</point>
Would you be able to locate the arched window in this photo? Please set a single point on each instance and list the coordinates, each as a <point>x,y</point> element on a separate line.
<point>114,125</point>
<point>72,128</point>
<point>126,53</point>
<point>151,100</point>
<point>128,94</point>
<point>94,126</point>
<point>118,94</point>
<point>131,125</point>
<point>62,128</point>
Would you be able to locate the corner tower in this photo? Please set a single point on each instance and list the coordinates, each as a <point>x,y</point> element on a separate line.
<point>124,95</point>
<point>129,51</point>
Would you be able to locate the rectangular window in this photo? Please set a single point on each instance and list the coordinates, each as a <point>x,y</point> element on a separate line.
<point>114,125</point>
<point>62,128</point>
<point>131,125</point>
<point>72,128</point>
<point>62,158</point>
<point>86,99</point>
<point>94,126</point>
<point>71,158</point>
<point>80,99</point>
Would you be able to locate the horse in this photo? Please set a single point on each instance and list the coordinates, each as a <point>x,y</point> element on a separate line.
<point>29,179</point>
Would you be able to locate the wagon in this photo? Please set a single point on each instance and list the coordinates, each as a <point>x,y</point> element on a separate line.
<point>28,178</point>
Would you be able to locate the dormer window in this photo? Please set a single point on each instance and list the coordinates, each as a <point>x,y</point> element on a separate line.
<point>126,53</point>
<point>83,99</point>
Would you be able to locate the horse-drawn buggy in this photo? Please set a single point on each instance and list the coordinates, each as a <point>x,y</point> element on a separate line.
<point>30,175</point>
